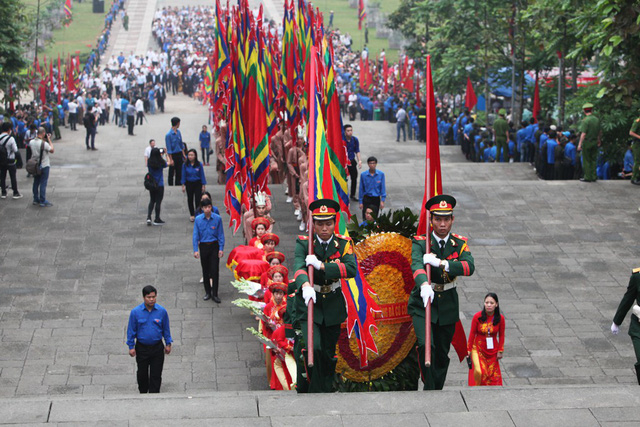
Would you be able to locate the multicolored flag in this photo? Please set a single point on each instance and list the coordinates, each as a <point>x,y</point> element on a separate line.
<point>68,15</point>
<point>362,14</point>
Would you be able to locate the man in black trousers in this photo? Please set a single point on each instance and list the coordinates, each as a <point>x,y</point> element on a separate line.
<point>148,325</point>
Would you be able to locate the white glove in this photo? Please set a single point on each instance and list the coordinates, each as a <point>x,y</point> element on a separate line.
<point>431,259</point>
<point>426,293</point>
<point>614,329</point>
<point>308,293</point>
<point>314,261</point>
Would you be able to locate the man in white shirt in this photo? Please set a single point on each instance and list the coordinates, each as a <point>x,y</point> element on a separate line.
<point>9,143</point>
<point>139,110</point>
<point>40,181</point>
<point>73,114</point>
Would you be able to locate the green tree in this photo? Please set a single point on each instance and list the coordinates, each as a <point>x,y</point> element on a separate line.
<point>609,31</point>
<point>13,43</point>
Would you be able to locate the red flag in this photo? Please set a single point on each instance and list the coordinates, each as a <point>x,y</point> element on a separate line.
<point>418,102</point>
<point>536,102</point>
<point>433,187</point>
<point>433,176</point>
<point>59,80</point>
<point>385,74</point>
<point>470,99</point>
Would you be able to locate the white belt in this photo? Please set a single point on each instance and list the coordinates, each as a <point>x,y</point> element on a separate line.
<point>441,288</point>
<point>326,288</point>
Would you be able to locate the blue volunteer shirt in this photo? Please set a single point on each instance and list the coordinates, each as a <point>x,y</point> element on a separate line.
<point>353,147</point>
<point>372,185</point>
<point>207,231</point>
<point>173,141</point>
<point>193,173</point>
<point>551,146</point>
<point>148,327</point>
<point>205,139</point>
<point>157,175</point>
<point>570,153</point>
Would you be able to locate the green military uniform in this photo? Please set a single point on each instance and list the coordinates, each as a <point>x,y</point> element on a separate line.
<point>329,310</point>
<point>501,127</point>
<point>444,308</point>
<point>590,126</point>
<point>631,297</point>
<point>56,123</point>
<point>635,148</point>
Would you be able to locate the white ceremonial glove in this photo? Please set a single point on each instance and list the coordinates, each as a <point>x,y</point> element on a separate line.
<point>614,329</point>
<point>314,261</point>
<point>431,259</point>
<point>426,293</point>
<point>308,293</point>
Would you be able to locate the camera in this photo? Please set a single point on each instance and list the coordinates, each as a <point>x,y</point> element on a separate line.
<point>162,151</point>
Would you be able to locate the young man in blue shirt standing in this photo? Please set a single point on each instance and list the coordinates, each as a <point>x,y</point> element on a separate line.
<point>208,246</point>
<point>148,325</point>
<point>353,153</point>
<point>373,190</point>
<point>175,147</point>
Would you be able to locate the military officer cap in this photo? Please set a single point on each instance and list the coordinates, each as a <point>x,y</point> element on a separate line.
<point>587,106</point>
<point>270,236</point>
<point>324,209</point>
<point>441,205</point>
<point>502,112</point>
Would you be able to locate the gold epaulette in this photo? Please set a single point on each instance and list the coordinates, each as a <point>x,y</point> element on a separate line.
<point>636,270</point>
<point>457,236</point>
<point>420,237</point>
<point>303,237</point>
<point>340,236</point>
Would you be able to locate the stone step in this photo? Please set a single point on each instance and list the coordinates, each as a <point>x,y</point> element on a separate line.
<point>494,406</point>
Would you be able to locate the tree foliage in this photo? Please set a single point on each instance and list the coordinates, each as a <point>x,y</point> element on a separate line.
<point>13,42</point>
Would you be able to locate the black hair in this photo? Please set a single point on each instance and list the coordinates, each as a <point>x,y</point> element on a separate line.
<point>175,121</point>
<point>553,134</point>
<point>196,163</point>
<point>6,126</point>
<point>496,313</point>
<point>206,193</point>
<point>155,159</point>
<point>347,126</point>
<point>205,202</point>
<point>148,290</point>
<point>372,159</point>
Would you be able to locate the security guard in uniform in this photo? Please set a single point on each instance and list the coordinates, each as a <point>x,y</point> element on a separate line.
<point>449,257</point>
<point>630,300</point>
<point>332,260</point>
<point>635,148</point>
<point>501,130</point>
<point>589,143</point>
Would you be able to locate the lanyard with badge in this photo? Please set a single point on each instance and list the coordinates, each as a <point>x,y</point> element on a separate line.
<point>489,337</point>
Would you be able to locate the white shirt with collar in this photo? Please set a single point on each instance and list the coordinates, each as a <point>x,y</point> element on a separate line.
<point>445,240</point>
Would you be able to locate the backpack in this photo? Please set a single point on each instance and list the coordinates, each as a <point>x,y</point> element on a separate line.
<point>150,182</point>
<point>4,154</point>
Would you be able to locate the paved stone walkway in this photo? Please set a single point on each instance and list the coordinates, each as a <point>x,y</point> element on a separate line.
<point>559,255</point>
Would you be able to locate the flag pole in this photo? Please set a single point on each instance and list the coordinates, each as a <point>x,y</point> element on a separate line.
<point>429,192</point>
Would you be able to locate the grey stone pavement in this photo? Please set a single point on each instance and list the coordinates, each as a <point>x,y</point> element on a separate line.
<point>559,255</point>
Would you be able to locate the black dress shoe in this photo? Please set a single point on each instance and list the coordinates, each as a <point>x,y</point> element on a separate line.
<point>206,297</point>
<point>636,182</point>
<point>216,299</point>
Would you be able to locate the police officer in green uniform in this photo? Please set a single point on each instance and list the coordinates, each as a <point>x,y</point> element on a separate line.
<point>332,260</point>
<point>635,148</point>
<point>589,143</point>
<point>630,299</point>
<point>501,129</point>
<point>449,257</point>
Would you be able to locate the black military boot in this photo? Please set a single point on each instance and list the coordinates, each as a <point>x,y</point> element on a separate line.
<point>638,372</point>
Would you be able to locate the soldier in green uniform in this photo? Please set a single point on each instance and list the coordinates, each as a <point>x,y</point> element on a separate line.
<point>589,143</point>
<point>332,260</point>
<point>501,129</point>
<point>635,148</point>
<point>630,299</point>
<point>449,257</point>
